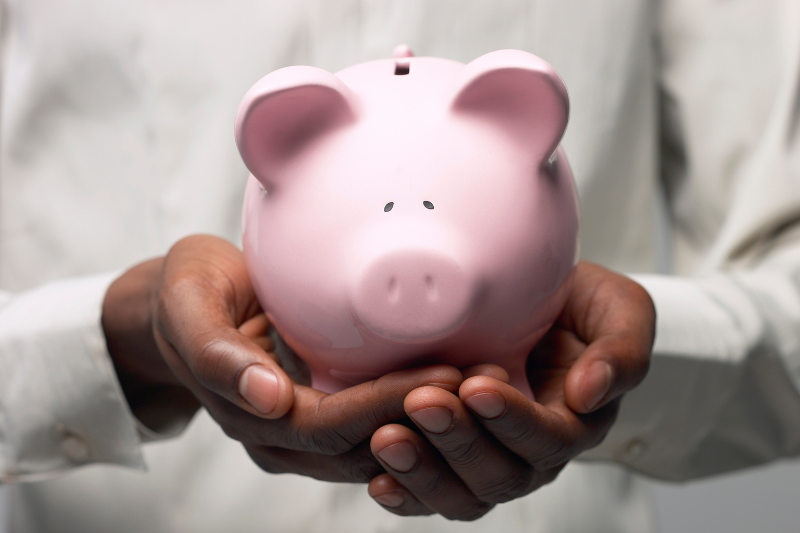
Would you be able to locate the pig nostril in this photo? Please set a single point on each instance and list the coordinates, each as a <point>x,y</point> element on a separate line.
<point>388,207</point>
<point>427,204</point>
<point>394,291</point>
<point>430,287</point>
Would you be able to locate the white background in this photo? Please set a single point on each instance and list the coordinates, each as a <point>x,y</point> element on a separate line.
<point>3,509</point>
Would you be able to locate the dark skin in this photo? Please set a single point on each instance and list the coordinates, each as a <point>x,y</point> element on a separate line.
<point>186,330</point>
<point>488,443</point>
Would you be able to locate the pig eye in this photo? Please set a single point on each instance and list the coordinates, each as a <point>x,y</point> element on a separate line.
<point>388,207</point>
<point>427,204</point>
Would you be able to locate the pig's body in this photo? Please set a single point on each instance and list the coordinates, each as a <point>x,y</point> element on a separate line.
<point>357,274</point>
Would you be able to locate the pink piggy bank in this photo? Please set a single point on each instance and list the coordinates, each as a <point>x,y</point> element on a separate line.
<point>409,211</point>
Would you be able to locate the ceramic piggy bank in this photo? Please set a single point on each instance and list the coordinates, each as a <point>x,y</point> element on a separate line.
<point>409,211</point>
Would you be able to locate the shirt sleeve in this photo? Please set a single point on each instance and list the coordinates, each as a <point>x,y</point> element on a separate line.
<point>60,403</point>
<point>722,391</point>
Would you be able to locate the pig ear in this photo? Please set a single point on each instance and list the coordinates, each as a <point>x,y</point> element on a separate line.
<point>520,94</point>
<point>284,112</point>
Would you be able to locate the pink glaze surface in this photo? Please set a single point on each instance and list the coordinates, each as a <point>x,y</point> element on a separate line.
<point>472,261</point>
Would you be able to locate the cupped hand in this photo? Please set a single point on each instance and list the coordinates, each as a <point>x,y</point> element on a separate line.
<point>489,443</point>
<point>187,330</point>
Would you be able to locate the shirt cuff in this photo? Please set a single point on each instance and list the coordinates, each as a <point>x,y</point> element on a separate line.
<point>720,394</point>
<point>60,402</point>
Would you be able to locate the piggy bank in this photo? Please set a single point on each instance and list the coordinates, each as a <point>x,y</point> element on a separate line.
<point>409,211</point>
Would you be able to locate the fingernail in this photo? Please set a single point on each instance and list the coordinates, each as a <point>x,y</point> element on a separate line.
<point>597,380</point>
<point>433,419</point>
<point>390,499</point>
<point>487,404</point>
<point>401,456</point>
<point>259,387</point>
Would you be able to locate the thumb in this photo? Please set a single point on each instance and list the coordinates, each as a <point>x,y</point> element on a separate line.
<point>220,360</point>
<point>204,297</point>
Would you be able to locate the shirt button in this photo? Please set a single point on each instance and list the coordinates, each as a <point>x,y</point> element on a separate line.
<point>633,449</point>
<point>74,448</point>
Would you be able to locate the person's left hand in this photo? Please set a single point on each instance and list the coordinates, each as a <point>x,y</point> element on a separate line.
<point>491,444</point>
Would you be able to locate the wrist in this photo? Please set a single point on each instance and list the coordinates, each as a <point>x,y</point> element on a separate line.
<point>146,380</point>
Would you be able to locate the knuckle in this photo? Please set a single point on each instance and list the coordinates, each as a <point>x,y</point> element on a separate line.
<point>550,475</point>
<point>597,438</point>
<point>470,513</point>
<point>462,453</point>
<point>560,453</point>
<point>358,469</point>
<point>631,367</point>
<point>343,441</point>
<point>234,431</point>
<point>432,486</point>
<point>233,424</point>
<point>331,430</point>
<point>604,421</point>
<point>207,365</point>
<point>324,441</point>
<point>506,489</point>
<point>414,508</point>
<point>641,367</point>
<point>522,436</point>
<point>265,461</point>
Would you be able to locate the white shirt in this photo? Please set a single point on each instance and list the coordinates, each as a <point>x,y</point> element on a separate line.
<point>117,140</point>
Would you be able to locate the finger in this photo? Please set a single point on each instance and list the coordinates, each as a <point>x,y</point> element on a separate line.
<point>487,467</point>
<point>257,330</point>
<point>550,361</point>
<point>616,317</point>
<point>395,498</point>
<point>205,295</point>
<point>354,466</point>
<point>607,369</point>
<point>413,463</point>
<point>493,371</point>
<point>332,424</point>
<point>262,390</point>
<point>257,326</point>
<point>290,362</point>
<point>543,435</point>
<point>265,343</point>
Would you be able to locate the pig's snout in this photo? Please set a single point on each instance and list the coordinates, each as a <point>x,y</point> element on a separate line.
<point>413,296</point>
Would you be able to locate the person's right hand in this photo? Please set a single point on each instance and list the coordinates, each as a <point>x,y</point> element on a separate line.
<point>491,444</point>
<point>183,331</point>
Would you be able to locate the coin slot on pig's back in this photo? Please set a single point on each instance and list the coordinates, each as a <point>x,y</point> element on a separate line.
<point>402,67</point>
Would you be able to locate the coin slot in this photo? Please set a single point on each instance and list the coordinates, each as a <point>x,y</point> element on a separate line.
<point>402,68</point>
